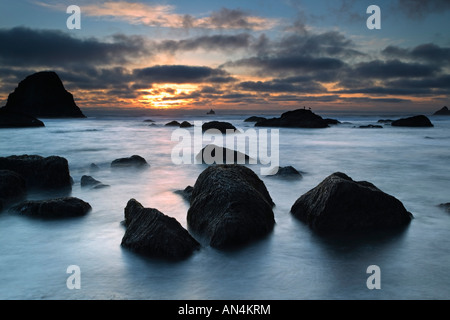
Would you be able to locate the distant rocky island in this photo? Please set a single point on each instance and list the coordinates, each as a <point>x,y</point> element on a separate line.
<point>40,95</point>
<point>443,112</point>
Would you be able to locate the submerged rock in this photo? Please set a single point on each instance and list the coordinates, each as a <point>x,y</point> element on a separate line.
<point>230,206</point>
<point>12,186</point>
<point>134,161</point>
<point>286,172</point>
<point>150,232</point>
<point>223,127</point>
<point>301,118</point>
<point>39,172</point>
<point>254,119</point>
<point>10,119</point>
<point>186,193</point>
<point>445,206</point>
<point>212,154</point>
<point>173,124</point>
<point>339,204</point>
<point>88,181</point>
<point>442,112</point>
<point>43,95</point>
<point>186,124</point>
<point>416,121</point>
<point>55,208</point>
<point>371,126</point>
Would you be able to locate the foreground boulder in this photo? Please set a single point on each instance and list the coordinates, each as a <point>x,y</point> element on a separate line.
<point>301,118</point>
<point>339,204</point>
<point>53,209</point>
<point>39,172</point>
<point>10,119</point>
<point>230,206</point>
<point>12,186</point>
<point>43,95</point>
<point>416,121</point>
<point>150,232</point>
<point>442,112</point>
<point>134,161</point>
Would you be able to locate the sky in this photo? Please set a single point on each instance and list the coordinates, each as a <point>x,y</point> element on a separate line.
<point>240,55</point>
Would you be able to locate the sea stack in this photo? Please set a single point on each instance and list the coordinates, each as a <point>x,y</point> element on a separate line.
<point>43,95</point>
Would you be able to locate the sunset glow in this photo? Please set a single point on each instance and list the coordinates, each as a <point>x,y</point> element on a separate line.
<point>253,56</point>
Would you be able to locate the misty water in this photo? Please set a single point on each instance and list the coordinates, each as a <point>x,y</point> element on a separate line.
<point>293,262</point>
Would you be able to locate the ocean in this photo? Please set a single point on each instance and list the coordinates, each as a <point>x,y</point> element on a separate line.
<point>292,263</point>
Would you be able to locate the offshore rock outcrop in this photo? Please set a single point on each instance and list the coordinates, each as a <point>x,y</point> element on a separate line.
<point>43,95</point>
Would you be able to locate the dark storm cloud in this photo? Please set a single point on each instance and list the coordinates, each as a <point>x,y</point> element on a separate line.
<point>26,47</point>
<point>181,74</point>
<point>429,52</point>
<point>419,8</point>
<point>215,42</point>
<point>394,69</point>
<point>281,86</point>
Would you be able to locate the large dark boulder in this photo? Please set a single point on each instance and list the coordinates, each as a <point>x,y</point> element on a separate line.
<point>11,119</point>
<point>43,95</point>
<point>134,161</point>
<point>340,205</point>
<point>301,118</point>
<point>230,206</point>
<point>445,206</point>
<point>443,112</point>
<point>150,232</point>
<point>39,172</point>
<point>223,127</point>
<point>54,208</point>
<point>12,186</point>
<point>416,121</point>
<point>213,154</point>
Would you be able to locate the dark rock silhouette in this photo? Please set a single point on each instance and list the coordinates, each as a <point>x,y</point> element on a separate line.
<point>445,206</point>
<point>332,121</point>
<point>150,232</point>
<point>12,187</point>
<point>371,126</point>
<point>186,124</point>
<point>301,118</point>
<point>186,193</point>
<point>254,119</point>
<point>173,124</point>
<point>211,112</point>
<point>442,112</point>
<point>10,119</point>
<point>134,161</point>
<point>54,208</point>
<point>212,154</point>
<point>416,121</point>
<point>230,206</point>
<point>223,127</point>
<point>43,95</point>
<point>286,172</point>
<point>339,205</point>
<point>39,172</point>
<point>88,181</point>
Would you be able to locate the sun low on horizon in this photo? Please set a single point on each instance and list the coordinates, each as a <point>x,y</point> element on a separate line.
<point>256,55</point>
